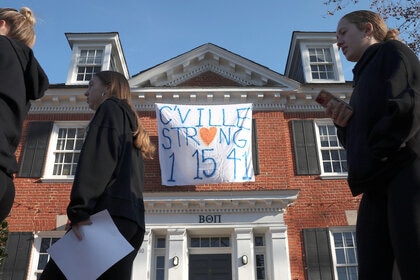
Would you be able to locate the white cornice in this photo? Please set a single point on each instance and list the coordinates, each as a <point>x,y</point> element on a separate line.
<point>73,101</point>
<point>218,202</point>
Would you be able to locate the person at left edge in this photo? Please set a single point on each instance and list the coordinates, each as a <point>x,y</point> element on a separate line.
<point>110,170</point>
<point>21,79</point>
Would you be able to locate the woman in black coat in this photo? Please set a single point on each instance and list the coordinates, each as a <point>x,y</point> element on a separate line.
<point>382,140</point>
<point>21,80</point>
<point>110,170</point>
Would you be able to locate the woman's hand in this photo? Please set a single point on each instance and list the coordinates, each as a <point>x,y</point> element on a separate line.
<point>339,112</point>
<point>76,228</point>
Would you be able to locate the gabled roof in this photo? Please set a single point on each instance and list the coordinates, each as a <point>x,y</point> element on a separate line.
<point>211,58</point>
<point>102,38</point>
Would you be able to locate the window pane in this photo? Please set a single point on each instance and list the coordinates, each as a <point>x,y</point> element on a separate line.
<point>160,275</point>
<point>160,262</point>
<point>352,271</point>
<point>42,261</point>
<point>45,244</point>
<point>60,145</point>
<point>225,242</point>
<point>342,273</point>
<point>160,243</point>
<point>260,260</point>
<point>338,241</point>
<point>326,156</point>
<point>351,256</point>
<point>259,241</point>
<point>205,242</point>
<point>215,242</point>
<point>195,242</point>
<point>348,237</point>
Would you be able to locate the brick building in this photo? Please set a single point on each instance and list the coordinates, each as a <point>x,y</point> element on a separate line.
<point>295,221</point>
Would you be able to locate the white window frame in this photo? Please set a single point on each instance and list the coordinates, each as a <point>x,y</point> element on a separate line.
<point>335,55</point>
<point>36,247</point>
<point>261,250</point>
<point>159,252</point>
<point>74,64</point>
<point>326,175</point>
<point>50,158</point>
<point>346,229</point>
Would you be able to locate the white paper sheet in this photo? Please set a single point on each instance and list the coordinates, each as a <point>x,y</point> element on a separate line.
<point>101,247</point>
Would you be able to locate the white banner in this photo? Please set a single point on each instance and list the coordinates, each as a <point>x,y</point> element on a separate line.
<point>206,144</point>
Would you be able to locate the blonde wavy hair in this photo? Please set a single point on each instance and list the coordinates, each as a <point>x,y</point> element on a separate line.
<point>119,88</point>
<point>21,24</point>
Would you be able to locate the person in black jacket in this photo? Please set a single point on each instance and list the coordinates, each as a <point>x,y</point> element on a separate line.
<point>382,140</point>
<point>110,170</point>
<point>21,79</point>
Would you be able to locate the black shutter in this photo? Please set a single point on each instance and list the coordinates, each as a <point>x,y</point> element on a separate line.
<point>318,254</point>
<point>18,249</point>
<point>255,159</point>
<point>306,152</point>
<point>35,150</point>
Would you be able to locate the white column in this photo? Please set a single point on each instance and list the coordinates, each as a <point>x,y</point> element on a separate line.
<point>277,260</point>
<point>177,250</point>
<point>243,256</point>
<point>142,262</point>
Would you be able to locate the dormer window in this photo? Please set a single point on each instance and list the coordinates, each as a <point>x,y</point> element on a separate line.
<point>314,58</point>
<point>92,53</point>
<point>89,63</point>
<point>321,63</point>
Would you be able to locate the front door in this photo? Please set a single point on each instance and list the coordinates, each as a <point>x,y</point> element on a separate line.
<point>210,267</point>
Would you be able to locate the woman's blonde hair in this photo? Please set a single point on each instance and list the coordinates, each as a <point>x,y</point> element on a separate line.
<point>119,88</point>
<point>380,29</point>
<point>21,24</point>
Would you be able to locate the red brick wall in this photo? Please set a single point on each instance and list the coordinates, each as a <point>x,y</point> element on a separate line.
<point>321,203</point>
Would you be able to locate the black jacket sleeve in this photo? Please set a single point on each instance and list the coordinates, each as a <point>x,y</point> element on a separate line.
<point>398,123</point>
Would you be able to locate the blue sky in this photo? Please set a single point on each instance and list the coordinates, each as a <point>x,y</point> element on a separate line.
<point>154,31</point>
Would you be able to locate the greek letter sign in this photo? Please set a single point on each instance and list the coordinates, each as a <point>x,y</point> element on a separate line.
<point>207,144</point>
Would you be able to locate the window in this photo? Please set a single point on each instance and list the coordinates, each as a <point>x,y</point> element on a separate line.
<point>65,145</point>
<point>259,244</point>
<point>206,242</point>
<point>39,255</point>
<point>332,155</point>
<point>343,244</point>
<point>331,252</point>
<point>89,63</point>
<point>322,65</point>
<point>159,249</point>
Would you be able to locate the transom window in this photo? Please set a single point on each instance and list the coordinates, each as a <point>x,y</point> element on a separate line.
<point>205,242</point>
<point>332,154</point>
<point>344,254</point>
<point>89,63</point>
